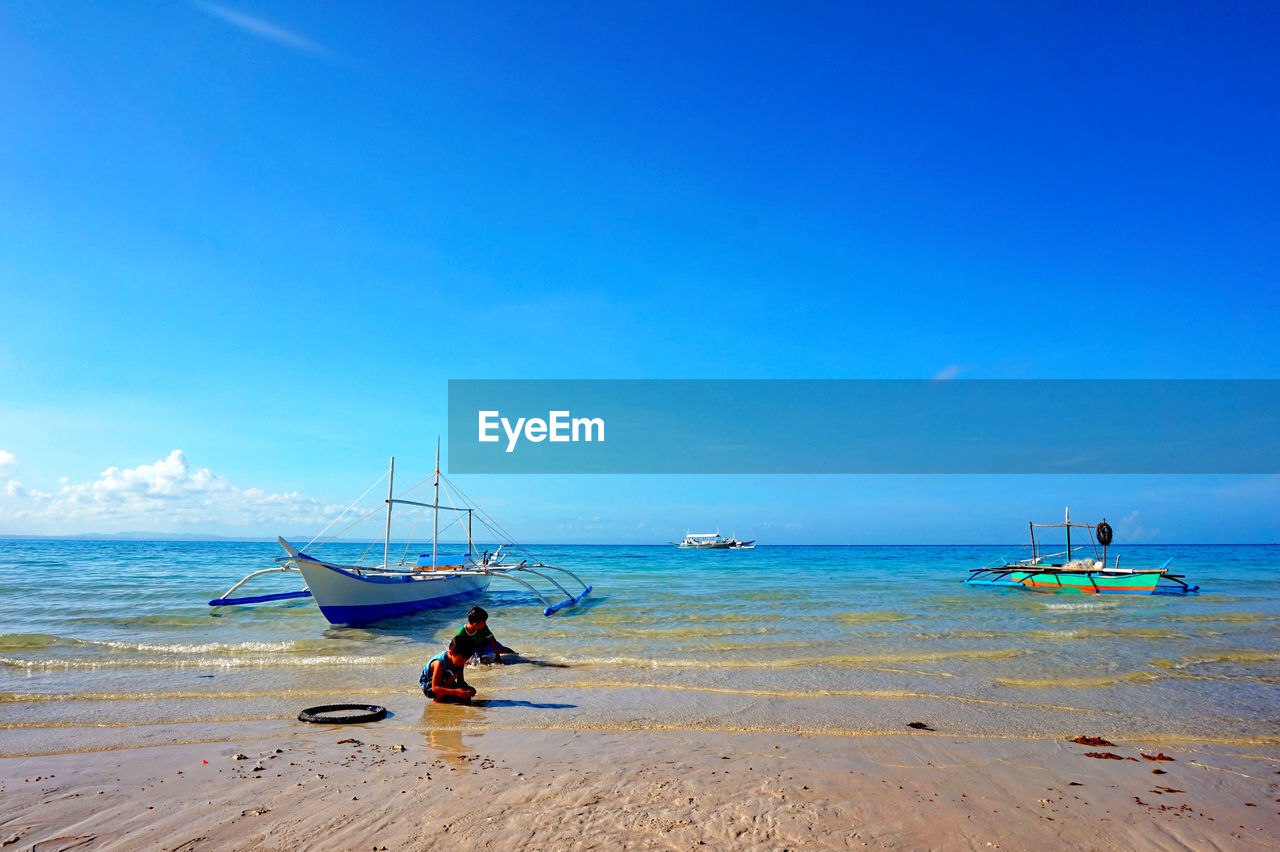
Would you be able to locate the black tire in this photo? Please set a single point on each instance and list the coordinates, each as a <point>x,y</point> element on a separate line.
<point>1104,533</point>
<point>367,713</point>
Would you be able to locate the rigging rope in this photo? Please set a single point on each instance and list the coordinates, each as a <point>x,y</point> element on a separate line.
<point>356,522</point>
<point>362,519</point>
<point>491,523</point>
<point>344,511</point>
<point>452,492</point>
<point>422,510</point>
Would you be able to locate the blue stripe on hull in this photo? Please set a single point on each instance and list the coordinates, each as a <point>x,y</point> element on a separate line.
<point>358,616</point>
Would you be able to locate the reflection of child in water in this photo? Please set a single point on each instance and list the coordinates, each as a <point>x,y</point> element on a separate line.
<point>446,739</point>
<point>474,637</point>
<point>442,679</point>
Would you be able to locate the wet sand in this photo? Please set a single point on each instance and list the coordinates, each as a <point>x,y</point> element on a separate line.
<point>403,784</point>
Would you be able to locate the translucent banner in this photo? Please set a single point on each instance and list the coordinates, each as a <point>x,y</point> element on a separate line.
<point>678,426</point>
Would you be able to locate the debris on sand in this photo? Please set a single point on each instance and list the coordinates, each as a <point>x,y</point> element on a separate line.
<point>1159,756</point>
<point>1108,755</point>
<point>919,726</point>
<point>1091,741</point>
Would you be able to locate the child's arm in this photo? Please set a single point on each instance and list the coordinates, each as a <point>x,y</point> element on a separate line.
<point>438,681</point>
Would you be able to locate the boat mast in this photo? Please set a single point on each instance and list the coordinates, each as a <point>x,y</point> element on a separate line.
<point>1067,522</point>
<point>391,487</point>
<point>435,510</point>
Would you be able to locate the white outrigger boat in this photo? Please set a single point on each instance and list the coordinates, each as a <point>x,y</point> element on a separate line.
<point>713,541</point>
<point>355,595</point>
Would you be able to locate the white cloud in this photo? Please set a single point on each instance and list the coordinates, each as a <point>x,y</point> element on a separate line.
<point>949,372</point>
<point>6,460</point>
<point>1133,529</point>
<point>261,29</point>
<point>165,496</point>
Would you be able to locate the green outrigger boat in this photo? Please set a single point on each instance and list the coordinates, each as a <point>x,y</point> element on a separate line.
<point>1086,576</point>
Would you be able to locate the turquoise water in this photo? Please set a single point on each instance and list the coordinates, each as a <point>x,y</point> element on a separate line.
<point>852,639</point>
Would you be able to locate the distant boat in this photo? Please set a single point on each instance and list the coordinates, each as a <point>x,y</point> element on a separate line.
<point>355,595</point>
<point>1087,576</point>
<point>713,541</point>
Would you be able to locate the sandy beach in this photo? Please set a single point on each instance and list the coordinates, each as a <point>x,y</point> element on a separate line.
<point>398,784</point>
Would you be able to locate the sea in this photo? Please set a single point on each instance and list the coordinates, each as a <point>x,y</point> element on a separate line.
<point>116,639</point>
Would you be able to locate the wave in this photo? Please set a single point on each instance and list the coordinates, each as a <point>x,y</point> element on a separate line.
<point>1243,655</point>
<point>797,662</point>
<point>1092,603</point>
<point>150,620</point>
<point>89,664</point>
<point>878,694</point>
<point>1230,617</point>
<point>1066,633</point>
<point>179,695</point>
<point>789,728</point>
<point>1157,633</point>
<point>754,647</point>
<point>675,631</point>
<point>44,641</point>
<point>1076,682</point>
<point>886,616</point>
<point>27,641</point>
<point>630,615</point>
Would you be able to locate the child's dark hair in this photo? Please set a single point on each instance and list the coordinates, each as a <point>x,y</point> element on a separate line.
<point>455,646</point>
<point>477,615</point>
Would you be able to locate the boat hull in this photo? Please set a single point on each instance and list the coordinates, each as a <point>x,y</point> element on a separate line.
<point>716,545</point>
<point>1079,582</point>
<point>355,599</point>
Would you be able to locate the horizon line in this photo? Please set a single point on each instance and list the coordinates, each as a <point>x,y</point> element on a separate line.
<point>176,538</point>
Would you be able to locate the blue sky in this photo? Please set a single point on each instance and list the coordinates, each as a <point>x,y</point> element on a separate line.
<point>266,234</point>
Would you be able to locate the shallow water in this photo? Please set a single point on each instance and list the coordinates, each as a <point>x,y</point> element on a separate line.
<point>843,639</point>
